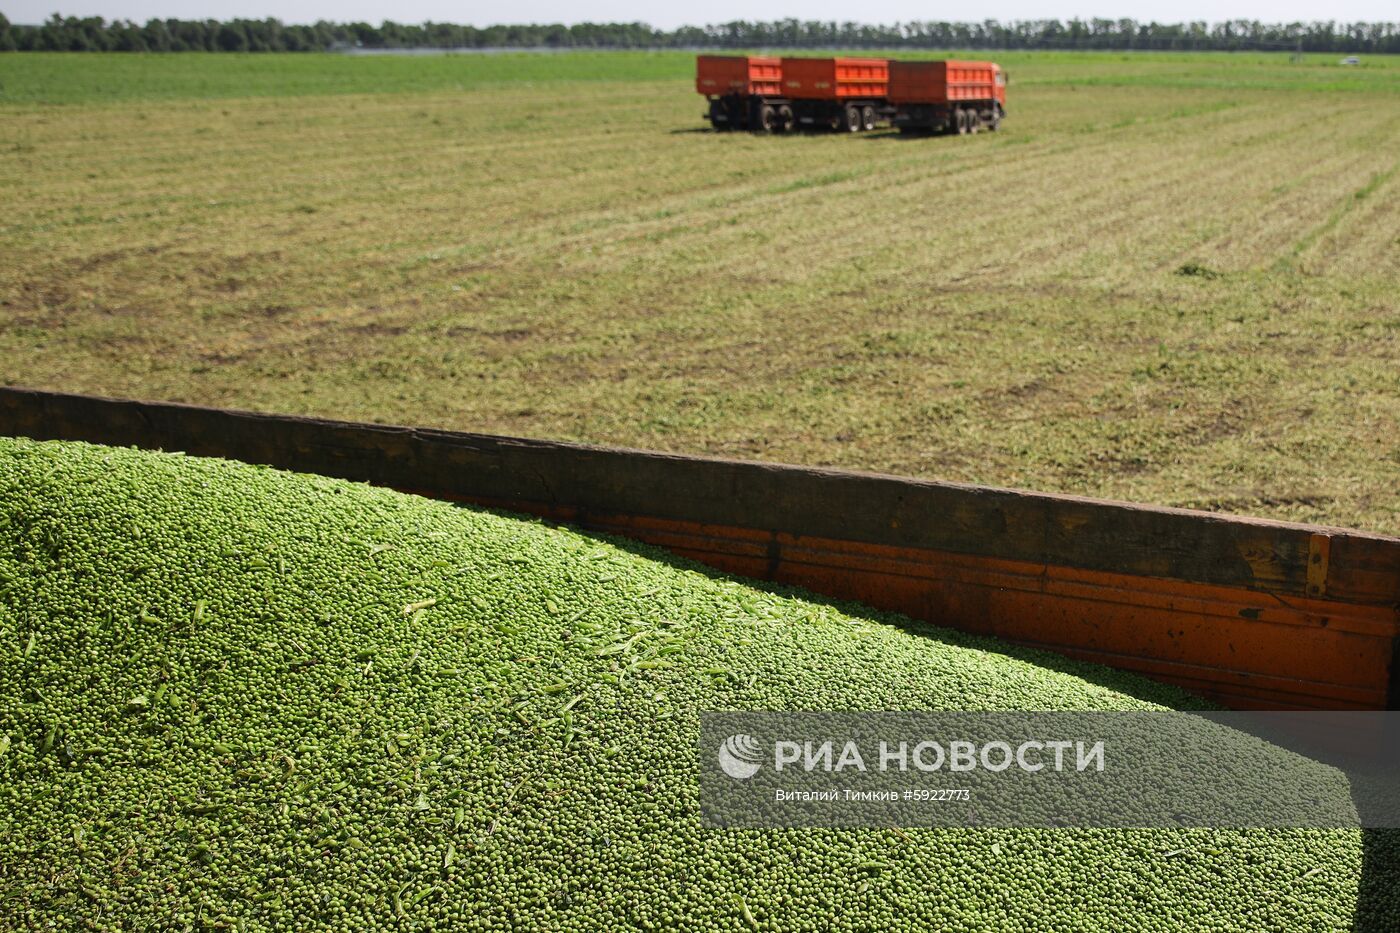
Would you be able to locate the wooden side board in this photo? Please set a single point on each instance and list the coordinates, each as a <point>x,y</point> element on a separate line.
<point>1252,613</point>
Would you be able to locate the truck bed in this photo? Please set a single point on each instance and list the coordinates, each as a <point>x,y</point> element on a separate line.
<point>942,82</point>
<point>1252,613</point>
<point>749,75</point>
<point>836,78</point>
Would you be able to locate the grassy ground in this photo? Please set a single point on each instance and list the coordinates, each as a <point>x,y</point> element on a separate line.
<point>1170,278</point>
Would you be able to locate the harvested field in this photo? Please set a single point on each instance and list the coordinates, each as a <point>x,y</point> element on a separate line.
<point>1170,278</point>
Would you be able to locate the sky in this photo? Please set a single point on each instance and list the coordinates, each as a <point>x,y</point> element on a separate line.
<point>668,16</point>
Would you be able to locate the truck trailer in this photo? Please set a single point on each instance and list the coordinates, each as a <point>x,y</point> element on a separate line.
<point>745,92</point>
<point>947,96</point>
<point>768,95</point>
<point>848,94</point>
<point>1251,613</point>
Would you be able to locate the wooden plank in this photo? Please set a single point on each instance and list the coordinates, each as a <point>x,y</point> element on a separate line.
<point>1364,568</point>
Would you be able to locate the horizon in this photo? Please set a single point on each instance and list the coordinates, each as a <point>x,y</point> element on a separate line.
<point>415,12</point>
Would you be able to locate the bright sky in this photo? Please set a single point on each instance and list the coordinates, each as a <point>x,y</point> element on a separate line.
<point>714,11</point>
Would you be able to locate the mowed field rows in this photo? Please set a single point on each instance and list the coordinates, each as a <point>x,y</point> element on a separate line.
<point>1172,279</point>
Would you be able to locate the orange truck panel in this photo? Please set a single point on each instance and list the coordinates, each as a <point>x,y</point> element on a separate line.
<point>835,78</point>
<point>944,82</point>
<point>749,75</point>
<point>1221,642</point>
<point>1253,613</point>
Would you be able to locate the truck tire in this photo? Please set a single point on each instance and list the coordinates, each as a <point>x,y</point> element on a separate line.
<point>960,121</point>
<point>867,118</point>
<point>766,118</point>
<point>995,123</point>
<point>718,118</point>
<point>851,119</point>
<point>787,122</point>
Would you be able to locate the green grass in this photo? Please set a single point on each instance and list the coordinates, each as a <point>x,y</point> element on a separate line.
<point>239,699</point>
<point>554,245</point>
<point>56,78</point>
<point>63,78</point>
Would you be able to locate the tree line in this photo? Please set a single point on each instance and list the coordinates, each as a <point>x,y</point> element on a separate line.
<point>94,34</point>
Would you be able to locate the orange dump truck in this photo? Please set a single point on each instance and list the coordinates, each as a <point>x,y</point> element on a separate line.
<point>947,96</point>
<point>850,94</point>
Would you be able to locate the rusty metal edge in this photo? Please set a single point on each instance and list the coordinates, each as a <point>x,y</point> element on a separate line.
<point>1200,547</point>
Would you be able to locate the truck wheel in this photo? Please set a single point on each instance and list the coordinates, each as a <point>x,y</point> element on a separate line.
<point>960,119</point>
<point>767,119</point>
<point>852,119</point>
<point>786,121</point>
<point>867,118</point>
<point>718,118</point>
<point>996,120</point>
